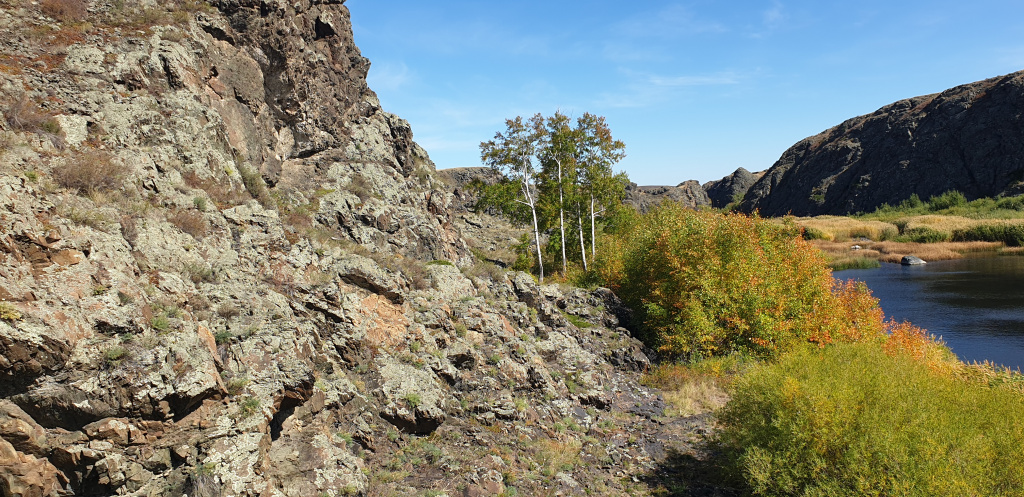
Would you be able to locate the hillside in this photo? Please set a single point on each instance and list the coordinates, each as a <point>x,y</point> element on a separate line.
<point>969,138</point>
<point>226,270</point>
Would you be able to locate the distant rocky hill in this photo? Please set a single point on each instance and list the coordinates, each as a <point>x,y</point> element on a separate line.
<point>731,188</point>
<point>688,193</point>
<point>969,138</point>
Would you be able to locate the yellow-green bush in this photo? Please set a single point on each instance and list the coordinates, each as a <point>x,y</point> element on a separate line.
<point>853,420</point>
<point>704,283</point>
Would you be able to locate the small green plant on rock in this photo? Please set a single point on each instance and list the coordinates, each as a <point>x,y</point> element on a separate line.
<point>249,407</point>
<point>236,385</point>
<point>223,336</point>
<point>413,400</point>
<point>115,355</point>
<point>160,323</point>
<point>8,312</point>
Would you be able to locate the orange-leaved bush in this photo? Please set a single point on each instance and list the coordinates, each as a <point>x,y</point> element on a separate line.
<point>704,283</point>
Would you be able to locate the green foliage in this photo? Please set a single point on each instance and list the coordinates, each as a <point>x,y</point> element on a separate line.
<point>808,233</point>
<point>558,178</point>
<point>440,263</point>
<point>248,407</point>
<point>947,200</point>
<point>236,385</point>
<point>952,203</point>
<point>704,283</point>
<point>1011,203</point>
<point>923,234</point>
<point>223,336</point>
<point>254,184</point>
<point>1011,235</point>
<point>852,420</point>
<point>114,355</point>
<point>413,400</point>
<point>578,321</point>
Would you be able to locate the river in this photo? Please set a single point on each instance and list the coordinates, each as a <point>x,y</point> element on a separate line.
<point>975,304</point>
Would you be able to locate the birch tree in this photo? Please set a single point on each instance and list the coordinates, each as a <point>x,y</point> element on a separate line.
<point>556,175</point>
<point>598,152</point>
<point>514,154</point>
<point>557,150</point>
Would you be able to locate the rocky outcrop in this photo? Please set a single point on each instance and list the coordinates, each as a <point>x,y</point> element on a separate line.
<point>968,138</point>
<point>731,188</point>
<point>688,193</point>
<point>225,270</point>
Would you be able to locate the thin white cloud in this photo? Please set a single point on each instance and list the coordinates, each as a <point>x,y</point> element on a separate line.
<point>672,21</point>
<point>774,17</point>
<point>676,81</point>
<point>645,90</point>
<point>389,76</point>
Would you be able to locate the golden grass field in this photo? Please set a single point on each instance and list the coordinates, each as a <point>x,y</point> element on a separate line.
<point>878,240</point>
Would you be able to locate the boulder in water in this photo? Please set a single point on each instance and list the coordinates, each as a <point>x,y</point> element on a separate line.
<point>909,260</point>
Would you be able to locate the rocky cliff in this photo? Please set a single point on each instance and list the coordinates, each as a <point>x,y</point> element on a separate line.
<point>731,188</point>
<point>969,138</point>
<point>225,270</point>
<point>688,193</point>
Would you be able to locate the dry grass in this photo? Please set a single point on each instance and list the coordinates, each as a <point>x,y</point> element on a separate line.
<point>64,10</point>
<point>90,171</point>
<point>838,228</point>
<point>697,396</point>
<point>24,114</point>
<point>698,388</point>
<point>222,194</point>
<point>843,229</point>
<point>557,455</point>
<point>191,222</point>
<point>894,251</point>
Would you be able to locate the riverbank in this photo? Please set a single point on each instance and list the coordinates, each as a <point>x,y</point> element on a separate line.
<point>865,241</point>
<point>865,254</point>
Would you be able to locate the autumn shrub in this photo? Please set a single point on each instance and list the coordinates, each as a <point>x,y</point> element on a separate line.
<point>852,419</point>
<point>703,283</point>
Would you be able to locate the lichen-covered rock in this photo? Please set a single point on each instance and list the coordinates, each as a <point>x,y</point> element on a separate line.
<point>225,270</point>
<point>413,399</point>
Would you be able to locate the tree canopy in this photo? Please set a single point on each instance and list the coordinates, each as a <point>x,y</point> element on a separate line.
<point>558,176</point>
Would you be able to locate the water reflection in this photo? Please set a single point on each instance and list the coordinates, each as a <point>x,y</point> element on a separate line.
<point>975,304</point>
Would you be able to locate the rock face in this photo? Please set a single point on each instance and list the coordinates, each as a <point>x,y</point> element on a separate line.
<point>688,193</point>
<point>968,138</point>
<point>225,270</point>
<point>731,188</point>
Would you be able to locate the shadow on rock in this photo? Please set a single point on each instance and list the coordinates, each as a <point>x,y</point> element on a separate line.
<point>701,473</point>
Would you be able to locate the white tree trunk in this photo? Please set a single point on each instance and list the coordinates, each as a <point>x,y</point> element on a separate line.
<point>583,246</point>
<point>593,231</point>
<point>561,215</point>
<point>536,228</point>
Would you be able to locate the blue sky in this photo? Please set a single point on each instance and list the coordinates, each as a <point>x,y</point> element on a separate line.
<point>695,89</point>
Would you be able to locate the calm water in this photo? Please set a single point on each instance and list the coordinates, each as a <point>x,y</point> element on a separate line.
<point>976,304</point>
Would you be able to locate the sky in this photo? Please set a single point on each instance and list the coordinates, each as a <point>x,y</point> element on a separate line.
<point>695,89</point>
